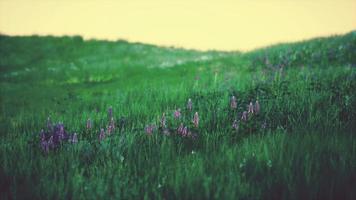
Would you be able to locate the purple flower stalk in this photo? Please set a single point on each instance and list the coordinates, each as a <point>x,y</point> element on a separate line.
<point>102,134</point>
<point>110,130</point>
<point>244,116</point>
<point>180,128</point>
<point>190,104</point>
<point>50,142</point>
<point>233,103</point>
<point>44,143</point>
<point>149,129</point>
<point>185,131</point>
<point>89,124</point>
<point>163,120</point>
<point>250,108</point>
<point>196,120</point>
<point>257,107</point>
<point>45,146</point>
<point>74,138</point>
<point>61,131</point>
<point>112,124</point>
<point>177,113</point>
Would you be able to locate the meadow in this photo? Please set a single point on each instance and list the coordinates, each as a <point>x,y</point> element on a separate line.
<point>112,120</point>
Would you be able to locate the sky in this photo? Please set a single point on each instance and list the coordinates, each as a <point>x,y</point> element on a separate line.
<point>198,24</point>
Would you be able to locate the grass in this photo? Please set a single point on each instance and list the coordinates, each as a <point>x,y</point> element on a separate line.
<point>300,146</point>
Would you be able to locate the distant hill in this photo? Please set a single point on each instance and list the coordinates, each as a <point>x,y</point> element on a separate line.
<point>73,55</point>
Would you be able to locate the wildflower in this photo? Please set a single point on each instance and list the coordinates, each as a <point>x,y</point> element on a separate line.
<point>257,107</point>
<point>190,104</point>
<point>196,120</point>
<point>61,131</point>
<point>244,116</point>
<point>74,138</point>
<point>89,124</point>
<point>185,131</point>
<point>250,108</point>
<point>112,123</point>
<point>102,134</point>
<point>180,128</point>
<point>163,120</point>
<point>50,142</point>
<point>59,134</point>
<point>110,112</point>
<point>45,146</point>
<point>235,125</point>
<point>110,129</point>
<point>233,103</point>
<point>177,113</point>
<point>44,143</point>
<point>149,129</point>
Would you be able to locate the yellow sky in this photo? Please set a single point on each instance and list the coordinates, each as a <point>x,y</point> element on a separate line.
<point>199,24</point>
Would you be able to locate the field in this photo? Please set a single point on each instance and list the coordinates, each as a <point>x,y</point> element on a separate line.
<point>107,99</point>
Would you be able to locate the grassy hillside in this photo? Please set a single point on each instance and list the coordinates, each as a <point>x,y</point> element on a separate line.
<point>300,144</point>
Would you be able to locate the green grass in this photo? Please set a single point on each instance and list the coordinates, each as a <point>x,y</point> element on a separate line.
<point>307,93</point>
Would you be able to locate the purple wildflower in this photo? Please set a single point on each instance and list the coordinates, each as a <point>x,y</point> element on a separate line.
<point>102,134</point>
<point>190,104</point>
<point>149,129</point>
<point>196,120</point>
<point>180,128</point>
<point>74,138</point>
<point>50,142</point>
<point>185,131</point>
<point>244,116</point>
<point>163,120</point>
<point>44,143</point>
<point>112,124</point>
<point>250,108</point>
<point>233,103</point>
<point>61,131</point>
<point>45,146</point>
<point>110,129</point>
<point>89,124</point>
<point>177,113</point>
<point>257,107</point>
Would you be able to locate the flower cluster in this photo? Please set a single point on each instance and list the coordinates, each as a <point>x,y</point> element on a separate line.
<point>55,135</point>
<point>182,130</point>
<point>252,109</point>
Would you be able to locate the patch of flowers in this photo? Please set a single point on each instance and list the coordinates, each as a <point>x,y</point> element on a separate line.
<point>176,124</point>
